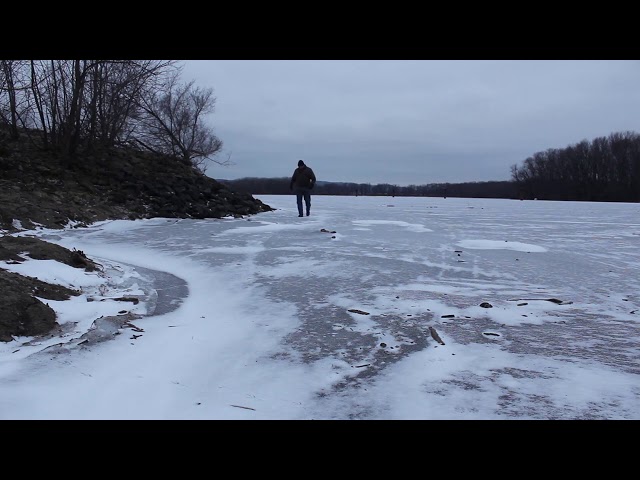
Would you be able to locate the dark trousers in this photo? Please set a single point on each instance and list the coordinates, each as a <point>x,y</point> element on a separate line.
<point>303,192</point>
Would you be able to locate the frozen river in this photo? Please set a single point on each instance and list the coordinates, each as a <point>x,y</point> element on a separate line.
<point>371,308</point>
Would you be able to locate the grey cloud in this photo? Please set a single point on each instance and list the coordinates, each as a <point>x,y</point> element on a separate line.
<point>395,121</point>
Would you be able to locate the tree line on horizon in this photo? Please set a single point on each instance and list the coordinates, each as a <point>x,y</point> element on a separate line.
<point>76,106</point>
<point>280,186</point>
<point>605,169</point>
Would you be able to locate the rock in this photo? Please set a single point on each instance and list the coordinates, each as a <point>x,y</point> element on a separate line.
<point>435,335</point>
<point>36,188</point>
<point>21,313</point>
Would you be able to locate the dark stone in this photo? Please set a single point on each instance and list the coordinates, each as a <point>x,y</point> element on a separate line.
<point>21,313</point>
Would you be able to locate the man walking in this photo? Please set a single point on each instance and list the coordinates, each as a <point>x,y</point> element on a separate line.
<point>302,181</point>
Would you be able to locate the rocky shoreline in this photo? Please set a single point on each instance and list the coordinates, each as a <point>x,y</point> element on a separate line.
<point>40,190</point>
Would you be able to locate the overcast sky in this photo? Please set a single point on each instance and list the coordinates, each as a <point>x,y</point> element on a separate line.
<point>409,121</point>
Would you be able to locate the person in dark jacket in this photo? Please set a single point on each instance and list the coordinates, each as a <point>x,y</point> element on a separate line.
<point>302,181</point>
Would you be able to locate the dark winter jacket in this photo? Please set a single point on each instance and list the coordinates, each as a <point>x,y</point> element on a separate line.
<point>303,177</point>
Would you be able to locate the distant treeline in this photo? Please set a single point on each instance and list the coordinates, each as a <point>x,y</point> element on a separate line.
<point>605,169</point>
<point>280,186</point>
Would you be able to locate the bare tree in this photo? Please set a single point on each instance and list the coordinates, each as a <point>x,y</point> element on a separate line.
<point>85,103</point>
<point>114,94</point>
<point>8,111</point>
<point>55,88</point>
<point>173,124</point>
<point>80,102</point>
